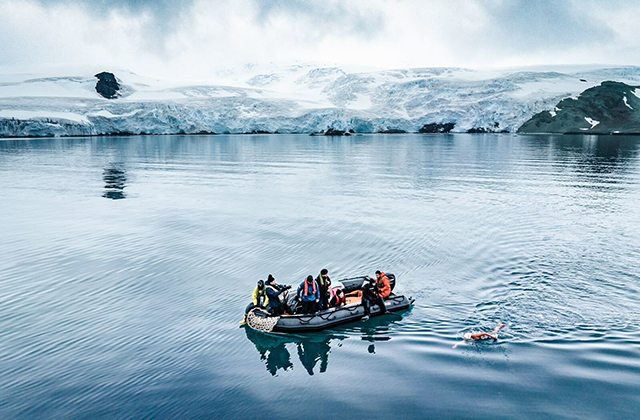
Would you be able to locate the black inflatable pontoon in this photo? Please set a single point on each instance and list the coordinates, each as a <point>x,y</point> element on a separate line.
<point>262,320</point>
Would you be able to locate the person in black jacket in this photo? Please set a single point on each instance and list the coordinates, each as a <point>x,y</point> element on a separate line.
<point>337,298</point>
<point>274,291</point>
<point>371,296</point>
<point>324,282</point>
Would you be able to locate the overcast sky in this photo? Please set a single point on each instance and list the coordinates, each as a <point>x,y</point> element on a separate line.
<point>192,38</point>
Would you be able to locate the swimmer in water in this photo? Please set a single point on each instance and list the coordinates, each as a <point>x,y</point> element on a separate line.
<point>480,336</point>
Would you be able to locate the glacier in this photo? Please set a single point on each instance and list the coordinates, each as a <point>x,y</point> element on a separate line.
<point>294,99</point>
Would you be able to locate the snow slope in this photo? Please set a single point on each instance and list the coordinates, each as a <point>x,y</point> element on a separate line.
<point>297,99</point>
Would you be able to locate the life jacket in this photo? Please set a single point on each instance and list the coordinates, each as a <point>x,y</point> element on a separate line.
<point>339,301</point>
<point>306,287</point>
<point>384,285</point>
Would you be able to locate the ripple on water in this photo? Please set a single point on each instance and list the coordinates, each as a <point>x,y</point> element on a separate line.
<point>129,308</point>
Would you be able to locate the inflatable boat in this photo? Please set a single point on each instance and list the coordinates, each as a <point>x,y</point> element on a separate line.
<point>261,320</point>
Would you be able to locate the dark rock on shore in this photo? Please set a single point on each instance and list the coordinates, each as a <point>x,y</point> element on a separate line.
<point>334,132</point>
<point>392,131</point>
<point>484,130</point>
<point>437,128</point>
<point>478,130</point>
<point>610,108</point>
<point>125,133</point>
<point>261,132</point>
<point>107,85</point>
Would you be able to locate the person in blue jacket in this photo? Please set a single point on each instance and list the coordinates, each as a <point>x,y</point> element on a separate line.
<point>274,291</point>
<point>309,295</point>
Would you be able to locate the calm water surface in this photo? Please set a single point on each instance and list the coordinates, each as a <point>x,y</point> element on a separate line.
<point>126,264</point>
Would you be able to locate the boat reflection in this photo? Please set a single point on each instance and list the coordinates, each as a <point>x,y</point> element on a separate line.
<point>115,179</point>
<point>311,349</point>
<point>314,348</point>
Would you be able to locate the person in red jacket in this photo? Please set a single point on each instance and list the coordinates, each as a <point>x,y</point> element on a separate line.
<point>480,336</point>
<point>383,284</point>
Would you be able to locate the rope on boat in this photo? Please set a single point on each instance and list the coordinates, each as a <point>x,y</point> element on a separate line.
<point>306,321</point>
<point>260,320</point>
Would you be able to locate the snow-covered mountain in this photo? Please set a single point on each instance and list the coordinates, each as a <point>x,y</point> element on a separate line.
<point>298,99</point>
<point>609,108</point>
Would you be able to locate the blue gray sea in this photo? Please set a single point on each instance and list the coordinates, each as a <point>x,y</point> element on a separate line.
<point>126,264</point>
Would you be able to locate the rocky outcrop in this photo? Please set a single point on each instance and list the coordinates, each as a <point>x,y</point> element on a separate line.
<point>495,128</point>
<point>392,131</point>
<point>610,108</point>
<point>253,132</point>
<point>479,130</point>
<point>107,85</point>
<point>335,132</point>
<point>437,128</point>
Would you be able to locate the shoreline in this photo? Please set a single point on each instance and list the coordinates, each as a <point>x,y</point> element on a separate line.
<point>314,135</point>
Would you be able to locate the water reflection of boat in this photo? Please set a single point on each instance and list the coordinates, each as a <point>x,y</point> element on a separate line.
<point>315,348</point>
<point>263,321</point>
<point>273,350</point>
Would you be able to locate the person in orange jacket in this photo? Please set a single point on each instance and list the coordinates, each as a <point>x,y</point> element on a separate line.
<point>383,284</point>
<point>480,336</point>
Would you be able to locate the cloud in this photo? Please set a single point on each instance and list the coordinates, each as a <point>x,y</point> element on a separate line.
<point>164,14</point>
<point>545,24</point>
<point>331,15</point>
<point>195,37</point>
<point>160,18</point>
<point>164,10</point>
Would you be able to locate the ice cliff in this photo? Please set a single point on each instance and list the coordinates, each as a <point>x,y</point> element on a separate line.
<point>298,99</point>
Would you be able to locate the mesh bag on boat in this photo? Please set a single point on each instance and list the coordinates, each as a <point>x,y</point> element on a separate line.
<point>260,320</point>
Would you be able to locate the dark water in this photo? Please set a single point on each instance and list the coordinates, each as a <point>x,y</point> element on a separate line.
<point>126,264</point>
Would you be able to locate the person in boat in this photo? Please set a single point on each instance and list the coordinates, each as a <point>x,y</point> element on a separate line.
<point>309,295</point>
<point>480,336</point>
<point>370,297</point>
<point>338,297</point>
<point>274,291</point>
<point>259,297</point>
<point>324,282</point>
<point>271,279</point>
<point>382,281</point>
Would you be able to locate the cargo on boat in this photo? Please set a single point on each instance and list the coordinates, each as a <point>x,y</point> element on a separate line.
<point>261,320</point>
